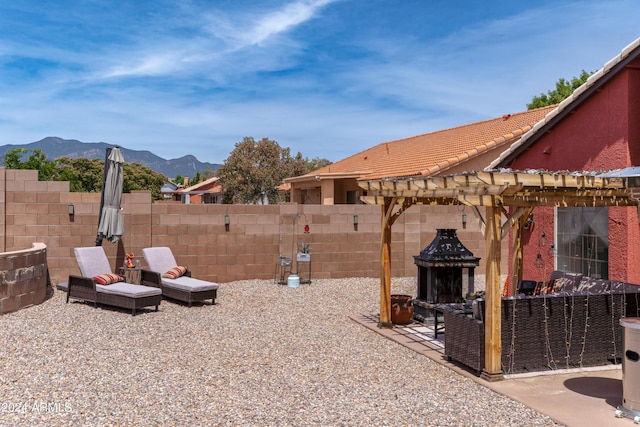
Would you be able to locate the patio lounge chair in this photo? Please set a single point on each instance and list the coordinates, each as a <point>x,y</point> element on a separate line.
<point>183,287</point>
<point>93,263</point>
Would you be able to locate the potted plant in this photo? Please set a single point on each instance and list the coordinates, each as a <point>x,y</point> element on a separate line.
<point>401,309</point>
<point>305,253</point>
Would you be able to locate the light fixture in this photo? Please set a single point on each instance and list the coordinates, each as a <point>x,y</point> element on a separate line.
<point>71,209</point>
<point>464,220</point>
<point>355,222</point>
<point>227,221</point>
<point>543,239</point>
<point>539,262</point>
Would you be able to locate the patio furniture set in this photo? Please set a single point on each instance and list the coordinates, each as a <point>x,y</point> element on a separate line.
<point>570,321</point>
<point>164,279</point>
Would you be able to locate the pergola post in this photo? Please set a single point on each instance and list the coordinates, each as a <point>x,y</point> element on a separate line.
<point>518,256</point>
<point>492,329</point>
<point>385,266</point>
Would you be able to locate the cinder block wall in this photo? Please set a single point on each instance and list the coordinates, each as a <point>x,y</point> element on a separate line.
<point>23,278</point>
<point>35,211</point>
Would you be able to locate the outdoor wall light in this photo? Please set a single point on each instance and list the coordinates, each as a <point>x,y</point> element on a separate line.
<point>71,209</point>
<point>464,220</point>
<point>227,221</point>
<point>355,222</point>
<point>543,239</point>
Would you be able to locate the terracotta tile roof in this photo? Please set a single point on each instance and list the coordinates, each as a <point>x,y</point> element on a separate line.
<point>207,184</point>
<point>597,79</point>
<point>431,153</point>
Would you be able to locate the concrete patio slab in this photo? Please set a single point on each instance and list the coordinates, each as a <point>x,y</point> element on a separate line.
<point>585,397</point>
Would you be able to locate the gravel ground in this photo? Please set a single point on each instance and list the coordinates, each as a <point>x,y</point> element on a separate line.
<point>264,355</point>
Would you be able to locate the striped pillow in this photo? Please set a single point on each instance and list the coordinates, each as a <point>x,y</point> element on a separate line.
<point>107,279</point>
<point>175,272</point>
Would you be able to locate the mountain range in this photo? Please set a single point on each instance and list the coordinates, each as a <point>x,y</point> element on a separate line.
<point>54,147</point>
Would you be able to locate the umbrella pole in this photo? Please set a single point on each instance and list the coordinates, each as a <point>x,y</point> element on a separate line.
<point>99,236</point>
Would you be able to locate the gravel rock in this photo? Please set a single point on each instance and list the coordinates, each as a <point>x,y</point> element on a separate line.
<point>265,355</point>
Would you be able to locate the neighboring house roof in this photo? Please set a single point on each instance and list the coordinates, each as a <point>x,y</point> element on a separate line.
<point>210,185</point>
<point>169,187</point>
<point>593,83</point>
<point>430,153</point>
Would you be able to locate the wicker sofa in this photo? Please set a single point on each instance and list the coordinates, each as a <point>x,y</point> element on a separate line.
<point>574,323</point>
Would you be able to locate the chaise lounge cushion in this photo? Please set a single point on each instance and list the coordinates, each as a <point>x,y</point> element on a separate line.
<point>128,290</point>
<point>92,261</point>
<point>186,283</point>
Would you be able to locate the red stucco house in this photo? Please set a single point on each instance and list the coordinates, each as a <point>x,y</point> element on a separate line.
<point>208,191</point>
<point>596,129</point>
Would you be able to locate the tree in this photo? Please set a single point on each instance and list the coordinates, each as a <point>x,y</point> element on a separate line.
<point>563,90</point>
<point>138,177</point>
<point>36,161</point>
<point>317,163</point>
<point>84,175</point>
<point>254,169</point>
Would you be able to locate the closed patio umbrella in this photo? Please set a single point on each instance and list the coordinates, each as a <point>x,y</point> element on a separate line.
<point>111,226</point>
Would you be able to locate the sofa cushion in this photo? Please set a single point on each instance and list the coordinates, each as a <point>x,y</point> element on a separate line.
<point>572,279</point>
<point>563,284</point>
<point>593,286</point>
<point>544,288</point>
<point>616,286</point>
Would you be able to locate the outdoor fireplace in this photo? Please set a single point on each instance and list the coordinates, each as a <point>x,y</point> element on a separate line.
<point>440,273</point>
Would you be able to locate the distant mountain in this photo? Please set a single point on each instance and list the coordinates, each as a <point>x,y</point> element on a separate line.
<point>54,147</point>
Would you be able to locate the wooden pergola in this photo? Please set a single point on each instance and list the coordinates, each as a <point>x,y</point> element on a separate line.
<point>496,191</point>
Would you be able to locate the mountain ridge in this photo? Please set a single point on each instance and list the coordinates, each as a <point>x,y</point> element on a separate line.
<point>55,147</point>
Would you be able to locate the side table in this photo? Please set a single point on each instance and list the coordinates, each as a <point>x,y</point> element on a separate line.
<point>131,275</point>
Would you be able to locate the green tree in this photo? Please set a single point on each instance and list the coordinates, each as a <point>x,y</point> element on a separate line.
<point>84,175</point>
<point>138,177</point>
<point>564,88</point>
<point>36,161</point>
<point>317,163</point>
<point>254,169</point>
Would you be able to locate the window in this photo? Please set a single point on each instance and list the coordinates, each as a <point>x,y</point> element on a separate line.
<point>209,199</point>
<point>582,241</point>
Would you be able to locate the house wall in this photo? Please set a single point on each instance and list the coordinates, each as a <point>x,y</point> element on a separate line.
<point>36,211</point>
<point>600,134</point>
<point>342,186</point>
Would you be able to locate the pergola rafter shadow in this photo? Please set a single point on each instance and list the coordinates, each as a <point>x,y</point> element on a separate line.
<point>496,191</point>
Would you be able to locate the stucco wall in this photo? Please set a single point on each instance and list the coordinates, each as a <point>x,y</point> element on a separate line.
<point>595,136</point>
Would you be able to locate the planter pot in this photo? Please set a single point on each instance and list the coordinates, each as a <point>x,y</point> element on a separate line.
<point>401,309</point>
<point>302,257</point>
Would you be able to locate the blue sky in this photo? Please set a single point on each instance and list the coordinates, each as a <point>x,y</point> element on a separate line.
<point>326,78</point>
